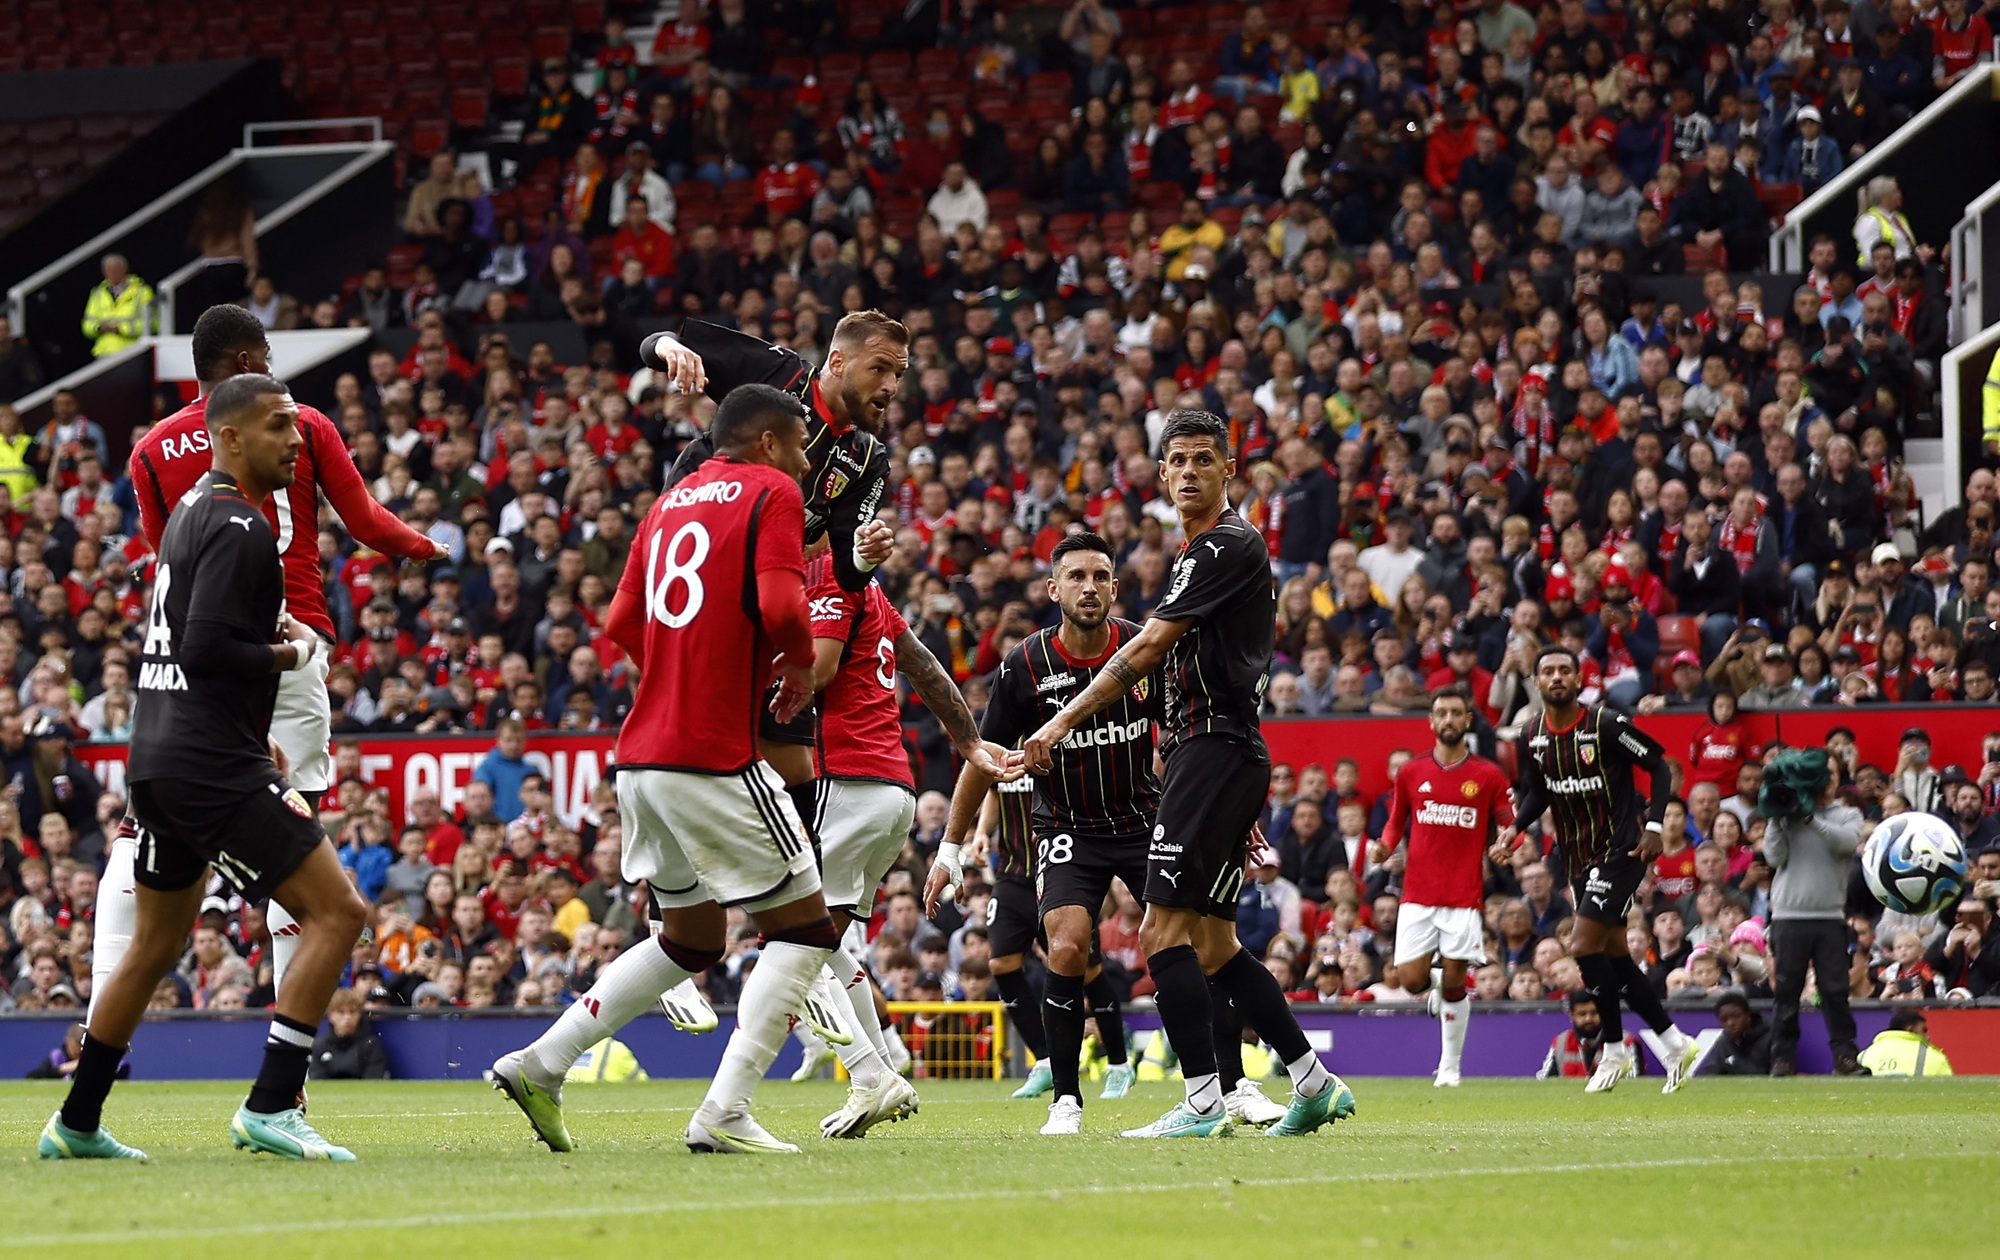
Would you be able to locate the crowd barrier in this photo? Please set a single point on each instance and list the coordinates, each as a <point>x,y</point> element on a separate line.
<point>1506,1040</point>
<point>405,764</point>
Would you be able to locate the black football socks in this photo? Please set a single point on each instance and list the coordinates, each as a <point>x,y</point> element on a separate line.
<point>90,1085</point>
<point>1062,1024</point>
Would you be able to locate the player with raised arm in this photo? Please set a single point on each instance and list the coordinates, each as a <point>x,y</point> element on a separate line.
<point>715,593</point>
<point>205,790</point>
<point>1211,638</point>
<point>847,475</point>
<point>165,465</point>
<point>868,799</point>
<point>1449,801</point>
<point>1576,766</point>
<point>1094,806</point>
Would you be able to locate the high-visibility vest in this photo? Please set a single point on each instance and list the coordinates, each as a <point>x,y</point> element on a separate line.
<point>15,473</point>
<point>1895,229</point>
<point>129,312</point>
<point>1903,1053</point>
<point>1989,426</point>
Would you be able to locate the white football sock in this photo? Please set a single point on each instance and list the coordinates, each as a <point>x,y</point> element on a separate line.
<point>634,981</point>
<point>1204,1093</point>
<point>894,1051</point>
<point>1452,1031</point>
<point>1309,1075</point>
<point>866,1060</point>
<point>117,915</point>
<point>775,990</point>
<point>284,931</point>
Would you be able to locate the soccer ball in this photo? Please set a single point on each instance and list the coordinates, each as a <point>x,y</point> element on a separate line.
<point>1914,863</point>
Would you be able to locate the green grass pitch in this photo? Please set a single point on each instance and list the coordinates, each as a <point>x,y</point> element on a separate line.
<point>1803,1167</point>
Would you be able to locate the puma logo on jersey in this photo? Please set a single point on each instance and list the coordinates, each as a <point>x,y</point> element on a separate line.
<point>1172,877</point>
<point>826,608</point>
<point>1062,1006</point>
<point>1215,547</point>
<point>244,521</point>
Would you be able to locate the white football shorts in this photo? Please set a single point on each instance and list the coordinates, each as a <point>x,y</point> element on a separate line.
<point>302,723</point>
<point>1454,932</point>
<point>731,838</point>
<point>862,827</point>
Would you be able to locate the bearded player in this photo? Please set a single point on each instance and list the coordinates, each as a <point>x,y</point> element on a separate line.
<point>1577,765</point>
<point>1211,638</point>
<point>847,465</point>
<point>1449,801</point>
<point>1094,809</point>
<point>868,799</point>
<point>228,342</point>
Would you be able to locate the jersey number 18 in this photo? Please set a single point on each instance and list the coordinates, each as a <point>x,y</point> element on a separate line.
<point>661,578</point>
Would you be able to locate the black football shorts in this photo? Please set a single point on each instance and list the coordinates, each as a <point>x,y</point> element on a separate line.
<point>1012,924</point>
<point>798,732</point>
<point>254,839</point>
<point>1074,869</point>
<point>1214,789</point>
<point>1603,891</point>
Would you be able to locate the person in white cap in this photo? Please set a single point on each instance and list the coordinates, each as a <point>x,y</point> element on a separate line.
<point>1813,159</point>
<point>1904,595</point>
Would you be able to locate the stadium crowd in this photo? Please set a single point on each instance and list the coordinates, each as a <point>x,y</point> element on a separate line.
<point>1460,279</point>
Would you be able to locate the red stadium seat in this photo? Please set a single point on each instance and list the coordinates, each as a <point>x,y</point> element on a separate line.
<point>510,76</point>
<point>1779,199</point>
<point>468,109</point>
<point>551,41</point>
<point>429,136</point>
<point>1700,260</point>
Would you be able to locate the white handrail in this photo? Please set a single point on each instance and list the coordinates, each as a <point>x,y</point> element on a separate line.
<point>1967,306</point>
<point>252,130</point>
<point>17,296</point>
<point>1788,249</point>
<point>365,153</point>
<point>1979,347</point>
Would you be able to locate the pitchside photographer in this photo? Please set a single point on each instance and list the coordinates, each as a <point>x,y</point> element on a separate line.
<point>1809,844</point>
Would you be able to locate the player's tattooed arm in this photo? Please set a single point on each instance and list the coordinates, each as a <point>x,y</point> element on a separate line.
<point>934,686</point>
<point>929,679</point>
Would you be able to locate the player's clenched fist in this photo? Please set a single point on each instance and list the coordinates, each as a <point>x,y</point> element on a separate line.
<point>874,543</point>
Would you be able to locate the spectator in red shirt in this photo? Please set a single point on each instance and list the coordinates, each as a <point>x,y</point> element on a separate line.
<point>785,186</point>
<point>642,240</point>
<point>1720,745</point>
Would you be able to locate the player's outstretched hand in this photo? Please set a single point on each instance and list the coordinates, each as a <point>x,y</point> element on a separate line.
<point>997,762</point>
<point>1257,852</point>
<point>795,691</point>
<point>1503,845</point>
<point>874,543</point>
<point>680,366</point>
<point>1650,845</point>
<point>943,885</point>
<point>1038,751</point>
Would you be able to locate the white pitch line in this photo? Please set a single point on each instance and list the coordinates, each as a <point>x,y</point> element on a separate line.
<point>1222,1182</point>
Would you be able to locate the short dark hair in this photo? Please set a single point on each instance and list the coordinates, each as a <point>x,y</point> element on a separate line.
<point>1555,649</point>
<point>1192,423</point>
<point>1731,997</point>
<point>222,333</point>
<point>856,328</point>
<point>237,395</point>
<point>1455,691</point>
<point>1084,541</point>
<point>749,412</point>
<point>1906,1019</point>
<point>1581,996</point>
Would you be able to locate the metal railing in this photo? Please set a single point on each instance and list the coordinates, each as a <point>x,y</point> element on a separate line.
<point>1788,242</point>
<point>373,126</point>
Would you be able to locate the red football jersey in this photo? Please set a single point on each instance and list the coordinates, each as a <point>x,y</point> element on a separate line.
<point>1716,753</point>
<point>175,453</point>
<point>860,723</point>
<point>1452,814</point>
<point>707,656</point>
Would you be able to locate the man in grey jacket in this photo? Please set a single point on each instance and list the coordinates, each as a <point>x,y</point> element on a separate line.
<point>1809,846</point>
